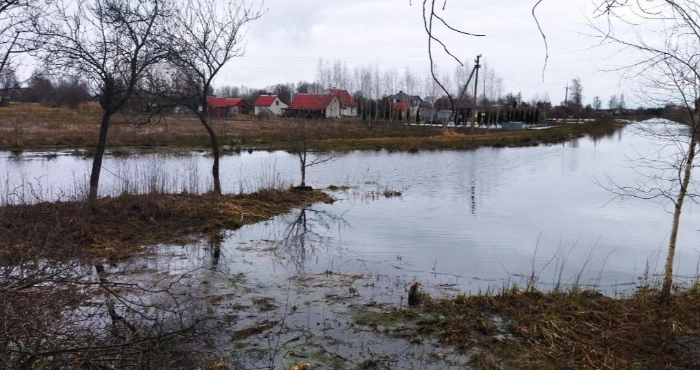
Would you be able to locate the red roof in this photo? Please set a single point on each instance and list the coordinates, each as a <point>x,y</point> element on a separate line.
<point>215,102</point>
<point>344,96</point>
<point>401,106</point>
<point>311,101</point>
<point>265,100</point>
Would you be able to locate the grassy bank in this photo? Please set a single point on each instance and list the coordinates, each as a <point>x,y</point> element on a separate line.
<point>122,225</point>
<point>32,126</point>
<point>462,139</point>
<point>557,330</point>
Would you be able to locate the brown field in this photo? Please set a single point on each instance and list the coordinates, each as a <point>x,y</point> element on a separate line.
<point>32,126</point>
<point>121,226</point>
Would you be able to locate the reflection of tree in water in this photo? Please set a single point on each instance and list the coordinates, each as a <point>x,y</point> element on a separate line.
<point>67,315</point>
<point>216,238</point>
<point>304,234</point>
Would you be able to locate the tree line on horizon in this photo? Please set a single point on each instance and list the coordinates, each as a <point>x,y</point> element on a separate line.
<point>370,88</point>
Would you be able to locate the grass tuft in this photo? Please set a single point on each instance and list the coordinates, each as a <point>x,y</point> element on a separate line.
<point>578,329</point>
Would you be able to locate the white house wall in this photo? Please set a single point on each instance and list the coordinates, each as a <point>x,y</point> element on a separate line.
<point>277,108</point>
<point>333,110</point>
<point>349,112</point>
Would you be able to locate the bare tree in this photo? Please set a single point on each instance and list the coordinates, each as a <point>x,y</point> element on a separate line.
<point>111,44</point>
<point>432,16</point>
<point>324,74</point>
<point>665,35</point>
<point>17,21</point>
<point>597,104</point>
<point>621,102</point>
<point>228,91</point>
<point>71,91</point>
<point>205,37</point>
<point>8,81</point>
<point>300,145</point>
<point>77,316</point>
<point>577,92</point>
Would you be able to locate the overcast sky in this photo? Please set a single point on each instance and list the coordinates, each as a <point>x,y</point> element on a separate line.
<point>286,44</point>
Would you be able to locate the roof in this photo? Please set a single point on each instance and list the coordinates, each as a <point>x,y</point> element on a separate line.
<point>405,98</point>
<point>311,101</point>
<point>400,106</point>
<point>265,100</point>
<point>215,102</point>
<point>346,100</point>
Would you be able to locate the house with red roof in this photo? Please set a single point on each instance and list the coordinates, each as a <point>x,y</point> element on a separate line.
<point>227,107</point>
<point>406,106</point>
<point>269,105</point>
<point>348,105</point>
<point>314,106</point>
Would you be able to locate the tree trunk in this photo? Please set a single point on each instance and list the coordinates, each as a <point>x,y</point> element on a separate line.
<point>97,160</point>
<point>668,274</point>
<point>303,170</point>
<point>215,151</point>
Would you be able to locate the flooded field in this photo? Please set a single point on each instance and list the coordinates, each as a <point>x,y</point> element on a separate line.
<point>297,287</point>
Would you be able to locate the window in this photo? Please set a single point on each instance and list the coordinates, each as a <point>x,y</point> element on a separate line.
<point>277,102</point>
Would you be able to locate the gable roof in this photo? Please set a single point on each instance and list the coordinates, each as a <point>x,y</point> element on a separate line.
<point>311,101</point>
<point>402,97</point>
<point>346,100</point>
<point>265,100</point>
<point>216,102</point>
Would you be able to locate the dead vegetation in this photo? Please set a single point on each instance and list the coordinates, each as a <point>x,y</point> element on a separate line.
<point>32,126</point>
<point>574,330</point>
<point>121,225</point>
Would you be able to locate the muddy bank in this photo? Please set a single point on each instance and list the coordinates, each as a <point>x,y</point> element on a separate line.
<point>519,329</point>
<point>121,225</point>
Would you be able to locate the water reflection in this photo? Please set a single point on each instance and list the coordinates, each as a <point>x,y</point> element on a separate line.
<point>306,234</point>
<point>73,314</point>
<point>216,238</point>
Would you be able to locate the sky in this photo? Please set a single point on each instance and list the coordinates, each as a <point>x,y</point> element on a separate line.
<point>286,44</point>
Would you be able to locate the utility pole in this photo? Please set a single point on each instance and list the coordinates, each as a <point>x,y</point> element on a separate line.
<point>566,103</point>
<point>476,83</point>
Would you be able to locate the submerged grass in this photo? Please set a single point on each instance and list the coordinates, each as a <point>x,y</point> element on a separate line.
<point>122,225</point>
<point>561,330</point>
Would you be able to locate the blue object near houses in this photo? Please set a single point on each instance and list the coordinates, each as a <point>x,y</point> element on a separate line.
<point>512,126</point>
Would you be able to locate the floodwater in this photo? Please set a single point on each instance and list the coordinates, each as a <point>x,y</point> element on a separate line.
<point>465,222</point>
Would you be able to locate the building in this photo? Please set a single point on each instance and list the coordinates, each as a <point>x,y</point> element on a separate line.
<point>406,106</point>
<point>314,106</point>
<point>348,105</point>
<point>227,107</point>
<point>269,105</point>
<point>436,116</point>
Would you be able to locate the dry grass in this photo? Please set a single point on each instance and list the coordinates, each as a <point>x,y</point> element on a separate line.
<point>32,126</point>
<point>574,330</point>
<point>122,225</point>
